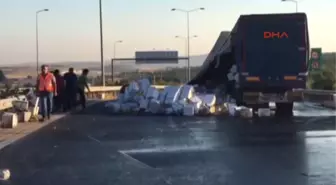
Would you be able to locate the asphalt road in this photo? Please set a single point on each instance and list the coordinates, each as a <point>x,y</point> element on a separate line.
<point>100,149</point>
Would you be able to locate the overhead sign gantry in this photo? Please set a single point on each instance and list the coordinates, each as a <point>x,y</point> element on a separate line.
<point>151,57</point>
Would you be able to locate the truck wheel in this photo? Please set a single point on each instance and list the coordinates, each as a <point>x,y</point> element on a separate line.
<point>240,103</point>
<point>284,109</point>
<point>238,96</point>
<point>255,107</point>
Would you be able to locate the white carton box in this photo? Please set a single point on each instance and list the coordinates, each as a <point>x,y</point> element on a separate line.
<point>189,110</point>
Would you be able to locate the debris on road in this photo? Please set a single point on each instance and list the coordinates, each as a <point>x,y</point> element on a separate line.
<point>140,96</point>
<point>9,120</point>
<point>4,174</point>
<point>173,100</point>
<point>17,109</point>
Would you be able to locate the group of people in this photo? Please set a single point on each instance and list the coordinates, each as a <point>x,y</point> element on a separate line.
<point>57,92</point>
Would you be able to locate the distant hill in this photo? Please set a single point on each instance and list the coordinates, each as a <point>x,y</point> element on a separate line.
<point>329,56</point>
<point>25,69</point>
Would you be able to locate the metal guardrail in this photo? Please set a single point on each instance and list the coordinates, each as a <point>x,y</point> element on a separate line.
<point>98,88</point>
<point>115,88</point>
<point>95,92</point>
<point>315,91</point>
<point>111,92</point>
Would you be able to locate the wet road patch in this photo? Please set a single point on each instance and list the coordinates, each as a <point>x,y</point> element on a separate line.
<point>120,136</point>
<point>162,159</point>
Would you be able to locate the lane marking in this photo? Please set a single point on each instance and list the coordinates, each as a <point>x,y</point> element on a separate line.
<point>135,160</point>
<point>312,120</point>
<point>172,149</point>
<point>94,139</point>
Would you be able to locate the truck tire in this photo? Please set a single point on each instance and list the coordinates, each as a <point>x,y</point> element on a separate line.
<point>238,96</point>
<point>284,109</point>
<point>255,108</point>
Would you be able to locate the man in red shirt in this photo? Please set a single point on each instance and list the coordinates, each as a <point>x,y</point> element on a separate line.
<point>46,89</point>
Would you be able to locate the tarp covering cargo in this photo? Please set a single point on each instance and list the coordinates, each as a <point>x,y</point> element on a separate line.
<point>213,62</point>
<point>210,60</point>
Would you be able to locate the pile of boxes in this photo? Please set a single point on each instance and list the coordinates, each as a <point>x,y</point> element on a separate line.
<point>178,100</point>
<point>19,109</point>
<point>140,96</point>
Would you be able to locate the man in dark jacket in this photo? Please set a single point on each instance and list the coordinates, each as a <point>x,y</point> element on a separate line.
<point>123,88</point>
<point>71,89</point>
<point>60,91</point>
<point>82,85</point>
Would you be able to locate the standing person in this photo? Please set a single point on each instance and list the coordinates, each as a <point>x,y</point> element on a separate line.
<point>71,89</point>
<point>58,100</point>
<point>82,84</point>
<point>123,88</point>
<point>46,88</point>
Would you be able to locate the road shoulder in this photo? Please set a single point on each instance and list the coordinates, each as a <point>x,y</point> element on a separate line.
<point>9,136</point>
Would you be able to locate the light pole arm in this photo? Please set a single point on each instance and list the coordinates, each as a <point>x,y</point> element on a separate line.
<point>37,39</point>
<point>196,9</point>
<point>296,4</point>
<point>187,11</point>
<point>179,10</point>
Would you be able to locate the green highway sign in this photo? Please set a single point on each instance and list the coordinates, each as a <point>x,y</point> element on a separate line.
<point>315,61</point>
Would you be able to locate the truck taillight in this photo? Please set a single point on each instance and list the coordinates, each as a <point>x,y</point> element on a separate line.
<point>252,79</point>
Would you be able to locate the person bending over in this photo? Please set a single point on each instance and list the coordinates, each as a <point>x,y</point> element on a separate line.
<point>82,84</point>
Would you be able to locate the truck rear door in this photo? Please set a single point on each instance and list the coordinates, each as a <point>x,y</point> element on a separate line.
<point>276,50</point>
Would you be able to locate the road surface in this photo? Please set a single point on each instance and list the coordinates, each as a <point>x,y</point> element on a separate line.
<point>99,149</point>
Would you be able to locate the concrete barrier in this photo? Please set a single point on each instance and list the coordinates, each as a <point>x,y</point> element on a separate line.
<point>96,92</point>
<point>330,105</point>
<point>115,88</point>
<point>109,92</point>
<point>7,103</point>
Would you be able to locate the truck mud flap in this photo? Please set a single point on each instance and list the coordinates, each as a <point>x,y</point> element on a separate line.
<point>251,97</point>
<point>293,96</point>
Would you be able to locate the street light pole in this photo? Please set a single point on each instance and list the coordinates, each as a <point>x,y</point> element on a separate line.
<point>188,33</point>
<point>101,45</point>
<point>186,42</point>
<point>115,46</point>
<point>294,1</point>
<point>188,47</point>
<point>114,56</point>
<point>187,52</point>
<point>37,39</point>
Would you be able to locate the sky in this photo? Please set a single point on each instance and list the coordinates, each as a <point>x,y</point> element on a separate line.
<point>70,30</point>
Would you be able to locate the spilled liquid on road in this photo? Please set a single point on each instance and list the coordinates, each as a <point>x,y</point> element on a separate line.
<point>312,110</point>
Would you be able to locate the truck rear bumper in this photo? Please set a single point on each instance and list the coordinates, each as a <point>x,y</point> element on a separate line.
<point>279,92</point>
<point>258,97</point>
<point>272,88</point>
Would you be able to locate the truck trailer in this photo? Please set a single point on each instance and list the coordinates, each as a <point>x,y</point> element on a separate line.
<point>263,59</point>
